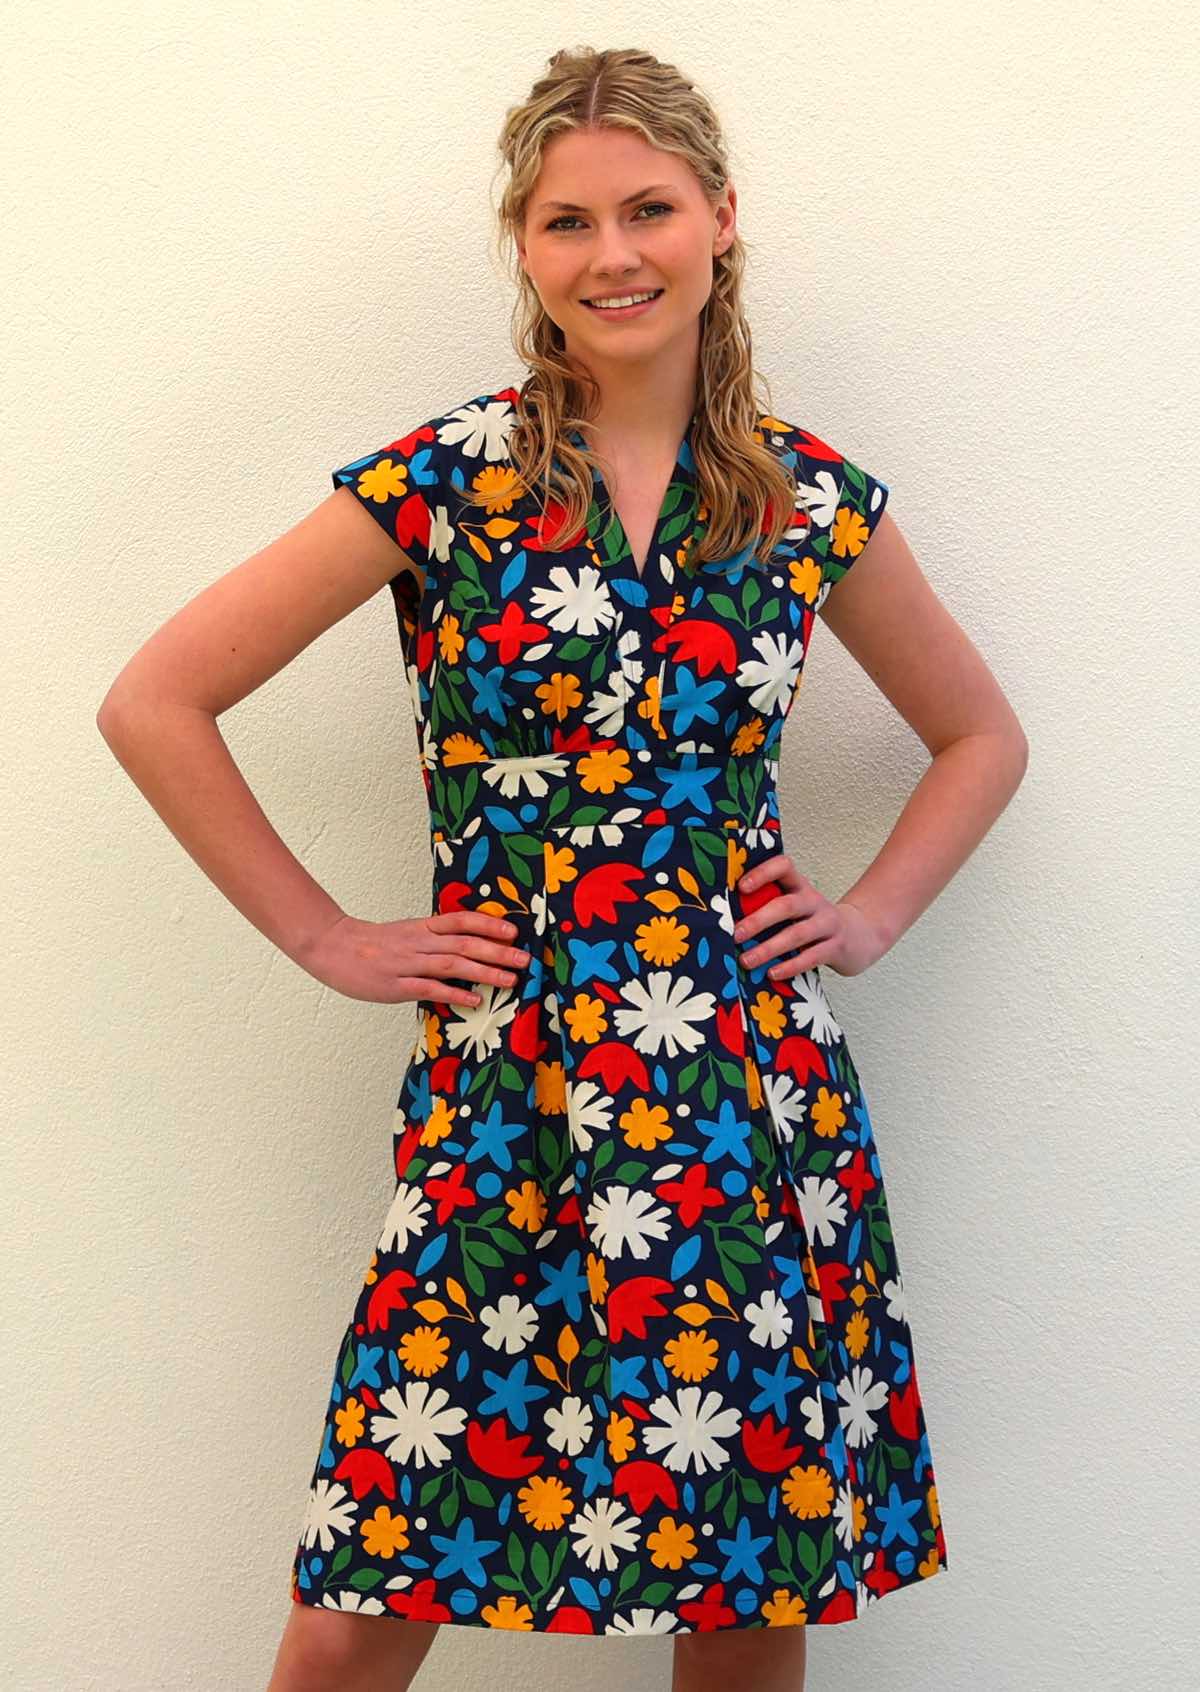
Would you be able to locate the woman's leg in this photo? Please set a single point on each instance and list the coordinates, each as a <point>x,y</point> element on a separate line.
<point>767,1659</point>
<point>341,1651</point>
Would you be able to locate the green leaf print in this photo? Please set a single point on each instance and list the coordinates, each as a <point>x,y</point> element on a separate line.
<point>515,1551</point>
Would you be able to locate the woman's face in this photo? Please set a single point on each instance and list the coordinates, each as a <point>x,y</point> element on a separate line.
<point>634,220</point>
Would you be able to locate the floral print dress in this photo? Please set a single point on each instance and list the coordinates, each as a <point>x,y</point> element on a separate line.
<point>631,1353</point>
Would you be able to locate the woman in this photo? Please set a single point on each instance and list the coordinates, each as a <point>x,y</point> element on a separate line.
<point>631,1354</point>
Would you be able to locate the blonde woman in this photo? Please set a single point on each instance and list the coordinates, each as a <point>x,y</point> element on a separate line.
<point>631,1353</point>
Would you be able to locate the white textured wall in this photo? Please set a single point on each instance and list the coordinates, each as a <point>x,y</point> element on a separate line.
<point>245,244</point>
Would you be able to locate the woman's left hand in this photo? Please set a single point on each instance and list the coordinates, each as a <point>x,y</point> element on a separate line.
<point>818,931</point>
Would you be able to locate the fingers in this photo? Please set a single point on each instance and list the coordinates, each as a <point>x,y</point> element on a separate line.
<point>419,987</point>
<point>778,868</point>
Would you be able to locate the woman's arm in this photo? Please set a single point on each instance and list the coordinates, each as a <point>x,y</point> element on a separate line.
<point>887,616</point>
<point>159,715</point>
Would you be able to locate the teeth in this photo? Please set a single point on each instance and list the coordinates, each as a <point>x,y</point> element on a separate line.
<point>624,299</point>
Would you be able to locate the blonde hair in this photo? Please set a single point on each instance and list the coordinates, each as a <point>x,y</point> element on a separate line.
<point>745,494</point>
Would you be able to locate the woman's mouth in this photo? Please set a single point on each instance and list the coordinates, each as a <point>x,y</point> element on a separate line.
<point>625,311</point>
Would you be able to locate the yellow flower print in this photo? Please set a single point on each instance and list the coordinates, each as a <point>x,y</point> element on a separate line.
<point>424,1351</point>
<point>762,1208</point>
<point>858,1332</point>
<point>384,1534</point>
<point>441,1121</point>
<point>508,1615</point>
<point>350,1421</point>
<point>805,576</point>
<point>602,771</point>
<point>586,1018</point>
<point>650,707</point>
<point>645,1125</point>
<point>619,1434</point>
<point>562,693</point>
<point>501,484</point>
<point>386,480</point>
<point>850,532</point>
<point>550,1088</point>
<point>767,1011</point>
<point>785,1609</point>
<point>808,1491</point>
<point>545,1502</point>
<point>462,749</point>
<point>691,1355</point>
<point>748,738</point>
<point>672,1543</point>
<point>527,1207</point>
<point>560,866</point>
<point>735,862</point>
<point>433,1033</point>
<point>597,1276</point>
<point>663,940</point>
<point>450,639</point>
<point>828,1117</point>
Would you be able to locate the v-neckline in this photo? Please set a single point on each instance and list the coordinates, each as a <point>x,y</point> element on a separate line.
<point>619,550</point>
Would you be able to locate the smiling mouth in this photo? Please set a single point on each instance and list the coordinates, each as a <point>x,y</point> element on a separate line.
<point>597,304</point>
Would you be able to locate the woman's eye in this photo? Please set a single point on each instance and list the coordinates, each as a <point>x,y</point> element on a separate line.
<point>651,205</point>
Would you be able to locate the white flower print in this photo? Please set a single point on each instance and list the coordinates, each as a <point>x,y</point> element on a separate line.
<point>420,1414</point>
<point>509,1324</point>
<point>570,1425</point>
<point>861,1393</point>
<point>770,1320</point>
<point>476,429</point>
<point>477,1027</point>
<point>601,1534</point>
<point>822,1206</point>
<point>772,677</point>
<point>786,1103</point>
<point>514,776</point>
<point>690,1431</point>
<point>330,1510</point>
<point>577,603</point>
<point>623,1216</point>
<point>589,1109</point>
<point>407,1218</point>
<point>663,1013</point>
<point>811,1011</point>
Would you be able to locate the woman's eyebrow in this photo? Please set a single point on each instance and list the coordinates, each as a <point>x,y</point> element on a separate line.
<point>565,205</point>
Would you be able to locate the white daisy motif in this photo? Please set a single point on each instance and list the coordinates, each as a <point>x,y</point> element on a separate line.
<point>579,604</point>
<point>813,1410</point>
<point>606,710</point>
<point>570,1425</point>
<point>822,1207</point>
<point>407,1218</point>
<point>770,1320</point>
<point>861,1394</point>
<point>690,1431</point>
<point>359,1602</point>
<point>589,1111</point>
<point>819,499</point>
<point>843,1515</point>
<point>478,1027</point>
<point>811,1011</point>
<point>514,776</point>
<point>772,677</point>
<point>663,1013</point>
<point>623,1216</point>
<point>419,1415</point>
<point>330,1510</point>
<point>897,1300</point>
<point>786,1103</point>
<point>479,430</point>
<point>601,1534</point>
<point>509,1324</point>
<point>641,1621</point>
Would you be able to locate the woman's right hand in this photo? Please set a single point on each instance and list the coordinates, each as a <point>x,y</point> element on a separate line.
<point>413,957</point>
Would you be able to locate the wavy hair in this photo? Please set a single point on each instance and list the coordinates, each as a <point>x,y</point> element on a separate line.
<point>745,493</point>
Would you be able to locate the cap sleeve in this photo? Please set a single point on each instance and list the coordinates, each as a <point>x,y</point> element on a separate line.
<point>400,485</point>
<point>860,504</point>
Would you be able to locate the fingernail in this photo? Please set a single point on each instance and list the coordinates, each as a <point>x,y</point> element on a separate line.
<point>510,928</point>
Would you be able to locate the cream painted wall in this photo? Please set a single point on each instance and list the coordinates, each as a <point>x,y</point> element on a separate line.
<point>245,244</point>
